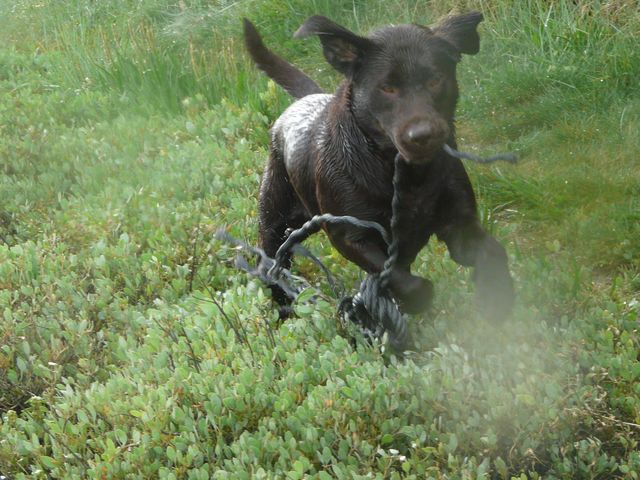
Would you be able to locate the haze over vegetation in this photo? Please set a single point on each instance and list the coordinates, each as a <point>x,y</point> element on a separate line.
<point>130,347</point>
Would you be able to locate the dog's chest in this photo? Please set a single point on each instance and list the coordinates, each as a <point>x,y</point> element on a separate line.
<point>420,192</point>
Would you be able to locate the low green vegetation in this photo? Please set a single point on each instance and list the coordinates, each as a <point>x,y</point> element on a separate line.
<point>130,347</point>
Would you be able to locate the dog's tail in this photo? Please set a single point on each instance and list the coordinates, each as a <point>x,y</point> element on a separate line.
<point>294,81</point>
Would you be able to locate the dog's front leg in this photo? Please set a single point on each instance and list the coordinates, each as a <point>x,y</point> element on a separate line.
<point>470,245</point>
<point>368,251</point>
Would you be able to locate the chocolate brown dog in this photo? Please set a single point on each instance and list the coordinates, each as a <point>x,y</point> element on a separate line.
<point>334,153</point>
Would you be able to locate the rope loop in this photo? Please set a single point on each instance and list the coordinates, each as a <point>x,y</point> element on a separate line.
<point>375,310</point>
<point>373,307</point>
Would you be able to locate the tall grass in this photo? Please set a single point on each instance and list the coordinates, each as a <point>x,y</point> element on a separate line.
<point>165,51</point>
<point>555,81</point>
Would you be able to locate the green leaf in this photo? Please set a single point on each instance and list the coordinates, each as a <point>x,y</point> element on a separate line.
<point>12,376</point>
<point>298,466</point>
<point>21,364</point>
<point>501,467</point>
<point>121,436</point>
<point>82,416</point>
<point>171,453</point>
<point>386,439</point>
<point>452,445</point>
<point>306,295</point>
<point>48,462</point>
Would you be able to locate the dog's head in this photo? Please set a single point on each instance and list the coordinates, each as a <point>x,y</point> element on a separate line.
<point>403,78</point>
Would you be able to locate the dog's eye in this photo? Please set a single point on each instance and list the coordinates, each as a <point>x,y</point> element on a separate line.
<point>435,81</point>
<point>389,90</point>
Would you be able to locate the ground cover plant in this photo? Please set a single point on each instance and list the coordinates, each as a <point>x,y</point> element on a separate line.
<point>130,347</point>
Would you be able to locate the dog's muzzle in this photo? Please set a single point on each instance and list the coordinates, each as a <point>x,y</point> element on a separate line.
<point>419,141</point>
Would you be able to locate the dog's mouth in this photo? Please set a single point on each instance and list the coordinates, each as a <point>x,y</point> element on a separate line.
<point>420,154</point>
<point>420,142</point>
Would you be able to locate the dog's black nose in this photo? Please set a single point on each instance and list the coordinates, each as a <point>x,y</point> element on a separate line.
<point>419,133</point>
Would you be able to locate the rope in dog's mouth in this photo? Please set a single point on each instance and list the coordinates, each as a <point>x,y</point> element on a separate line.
<point>373,307</point>
<point>505,157</point>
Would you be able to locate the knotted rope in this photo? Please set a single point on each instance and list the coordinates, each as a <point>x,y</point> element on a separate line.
<point>373,307</point>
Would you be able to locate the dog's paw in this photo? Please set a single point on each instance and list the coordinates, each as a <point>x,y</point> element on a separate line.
<point>494,294</point>
<point>415,295</point>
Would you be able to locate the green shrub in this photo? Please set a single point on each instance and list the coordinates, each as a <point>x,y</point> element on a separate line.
<point>131,348</point>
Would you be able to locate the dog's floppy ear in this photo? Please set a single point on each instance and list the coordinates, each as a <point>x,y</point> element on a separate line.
<point>342,48</point>
<point>461,31</point>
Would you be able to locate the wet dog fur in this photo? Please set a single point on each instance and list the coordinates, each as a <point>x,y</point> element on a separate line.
<point>334,153</point>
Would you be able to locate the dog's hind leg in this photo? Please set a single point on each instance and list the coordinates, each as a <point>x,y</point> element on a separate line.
<point>279,210</point>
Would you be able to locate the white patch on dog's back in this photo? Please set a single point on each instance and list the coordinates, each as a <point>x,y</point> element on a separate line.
<point>293,125</point>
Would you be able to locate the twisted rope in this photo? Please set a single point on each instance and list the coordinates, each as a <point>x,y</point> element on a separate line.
<point>505,157</point>
<point>312,226</point>
<point>373,307</point>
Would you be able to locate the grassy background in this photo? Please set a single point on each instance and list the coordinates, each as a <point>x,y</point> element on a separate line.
<point>129,346</point>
